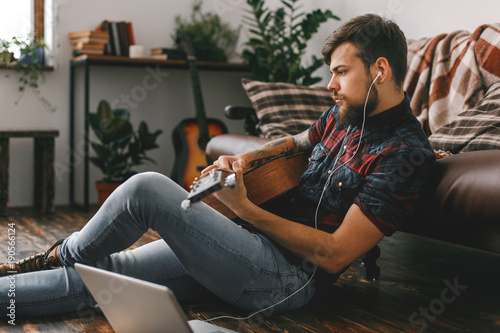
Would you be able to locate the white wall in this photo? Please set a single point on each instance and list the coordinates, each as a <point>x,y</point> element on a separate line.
<point>165,106</point>
<point>417,18</point>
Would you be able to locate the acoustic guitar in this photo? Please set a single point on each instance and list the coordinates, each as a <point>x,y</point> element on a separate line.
<point>264,183</point>
<point>191,136</point>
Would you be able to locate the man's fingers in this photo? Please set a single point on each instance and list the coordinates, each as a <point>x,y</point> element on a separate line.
<point>208,169</point>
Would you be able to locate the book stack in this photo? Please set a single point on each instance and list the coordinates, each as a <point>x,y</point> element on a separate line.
<point>121,36</point>
<point>164,53</point>
<point>88,42</point>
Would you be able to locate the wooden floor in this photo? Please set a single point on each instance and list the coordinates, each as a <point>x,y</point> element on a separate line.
<point>425,286</point>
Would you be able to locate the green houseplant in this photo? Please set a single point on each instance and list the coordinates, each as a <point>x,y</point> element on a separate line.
<point>211,38</point>
<point>31,61</point>
<point>30,66</point>
<point>118,148</point>
<point>279,40</point>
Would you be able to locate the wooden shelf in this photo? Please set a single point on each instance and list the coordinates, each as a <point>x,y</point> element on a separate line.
<point>83,64</point>
<point>175,64</point>
<point>15,67</point>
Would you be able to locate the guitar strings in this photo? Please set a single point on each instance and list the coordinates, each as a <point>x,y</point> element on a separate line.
<point>327,183</point>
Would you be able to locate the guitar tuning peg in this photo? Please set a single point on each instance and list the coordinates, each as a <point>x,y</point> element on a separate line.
<point>230,181</point>
<point>186,204</point>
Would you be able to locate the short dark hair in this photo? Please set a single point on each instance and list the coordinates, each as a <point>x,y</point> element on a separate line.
<point>374,37</point>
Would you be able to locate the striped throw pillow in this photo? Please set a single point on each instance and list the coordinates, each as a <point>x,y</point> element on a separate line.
<point>285,108</point>
<point>477,128</point>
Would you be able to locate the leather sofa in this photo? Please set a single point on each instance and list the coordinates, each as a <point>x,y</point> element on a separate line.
<point>462,200</point>
<point>453,81</point>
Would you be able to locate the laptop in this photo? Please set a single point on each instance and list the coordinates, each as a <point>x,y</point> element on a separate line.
<point>133,305</point>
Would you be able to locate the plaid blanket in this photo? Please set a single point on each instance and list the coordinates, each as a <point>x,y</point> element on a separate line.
<point>450,73</point>
<point>477,128</point>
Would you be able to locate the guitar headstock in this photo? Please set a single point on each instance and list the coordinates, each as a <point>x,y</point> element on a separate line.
<point>214,181</point>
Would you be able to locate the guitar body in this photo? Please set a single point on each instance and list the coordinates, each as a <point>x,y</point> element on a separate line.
<point>266,182</point>
<point>190,157</point>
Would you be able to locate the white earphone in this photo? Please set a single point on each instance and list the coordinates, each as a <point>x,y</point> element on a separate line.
<point>327,183</point>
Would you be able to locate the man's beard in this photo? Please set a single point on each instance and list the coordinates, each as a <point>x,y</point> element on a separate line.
<point>352,114</point>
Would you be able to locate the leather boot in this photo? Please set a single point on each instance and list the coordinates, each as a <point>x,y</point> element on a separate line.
<point>39,262</point>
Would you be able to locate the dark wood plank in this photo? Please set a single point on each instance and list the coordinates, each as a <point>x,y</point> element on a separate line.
<point>416,275</point>
<point>28,133</point>
<point>4,176</point>
<point>174,64</point>
<point>44,175</point>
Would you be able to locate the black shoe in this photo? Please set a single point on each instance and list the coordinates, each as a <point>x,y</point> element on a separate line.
<point>38,262</point>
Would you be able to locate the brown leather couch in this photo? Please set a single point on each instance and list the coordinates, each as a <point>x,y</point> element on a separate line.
<point>461,204</point>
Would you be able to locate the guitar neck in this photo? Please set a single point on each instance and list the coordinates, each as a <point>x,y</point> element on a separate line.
<point>263,183</point>
<point>198,101</point>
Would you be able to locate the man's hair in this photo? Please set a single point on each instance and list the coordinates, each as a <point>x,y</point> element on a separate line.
<point>374,37</point>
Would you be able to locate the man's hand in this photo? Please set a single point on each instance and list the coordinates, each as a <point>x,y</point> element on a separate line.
<point>224,162</point>
<point>235,198</point>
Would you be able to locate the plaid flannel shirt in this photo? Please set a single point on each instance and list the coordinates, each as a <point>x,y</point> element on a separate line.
<point>386,177</point>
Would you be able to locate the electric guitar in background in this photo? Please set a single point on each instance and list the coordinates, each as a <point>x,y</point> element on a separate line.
<point>191,136</point>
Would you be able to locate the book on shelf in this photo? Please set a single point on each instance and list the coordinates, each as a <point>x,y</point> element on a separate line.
<point>77,53</point>
<point>94,34</point>
<point>89,48</point>
<point>167,53</point>
<point>121,36</point>
<point>113,37</point>
<point>88,37</point>
<point>159,56</point>
<point>88,42</point>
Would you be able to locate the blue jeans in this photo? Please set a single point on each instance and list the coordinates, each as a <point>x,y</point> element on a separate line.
<point>201,253</point>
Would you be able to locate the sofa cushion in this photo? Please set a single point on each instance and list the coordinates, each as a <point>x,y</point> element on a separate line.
<point>461,203</point>
<point>285,108</point>
<point>477,128</point>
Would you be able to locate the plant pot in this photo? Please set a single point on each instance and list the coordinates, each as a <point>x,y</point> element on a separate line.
<point>104,190</point>
<point>29,60</point>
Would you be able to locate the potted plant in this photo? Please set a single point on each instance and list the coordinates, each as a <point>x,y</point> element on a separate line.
<point>30,66</point>
<point>31,61</point>
<point>210,37</point>
<point>6,56</point>
<point>118,148</point>
<point>279,40</point>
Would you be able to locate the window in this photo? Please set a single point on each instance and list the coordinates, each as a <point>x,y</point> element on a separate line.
<point>21,18</point>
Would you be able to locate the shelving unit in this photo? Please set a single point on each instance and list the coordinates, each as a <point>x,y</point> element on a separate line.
<point>87,61</point>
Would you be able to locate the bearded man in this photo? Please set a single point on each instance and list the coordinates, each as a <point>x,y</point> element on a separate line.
<point>369,161</point>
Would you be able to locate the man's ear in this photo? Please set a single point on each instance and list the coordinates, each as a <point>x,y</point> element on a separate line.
<point>382,65</point>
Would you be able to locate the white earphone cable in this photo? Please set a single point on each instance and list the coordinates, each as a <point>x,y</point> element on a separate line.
<point>327,183</point>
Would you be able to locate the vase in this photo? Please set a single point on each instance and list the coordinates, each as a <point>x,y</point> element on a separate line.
<point>104,190</point>
<point>29,60</point>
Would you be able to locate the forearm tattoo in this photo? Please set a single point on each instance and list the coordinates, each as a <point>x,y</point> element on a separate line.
<point>283,146</point>
<point>302,143</point>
